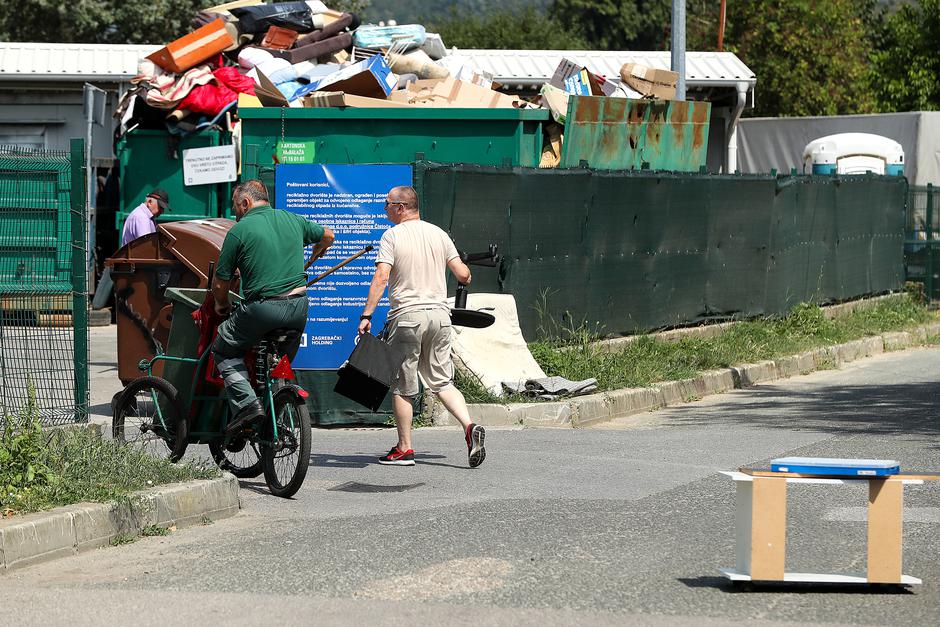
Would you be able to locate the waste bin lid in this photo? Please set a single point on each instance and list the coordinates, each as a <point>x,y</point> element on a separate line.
<point>196,242</point>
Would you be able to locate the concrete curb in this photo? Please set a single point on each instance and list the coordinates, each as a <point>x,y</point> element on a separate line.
<point>63,531</point>
<point>594,409</point>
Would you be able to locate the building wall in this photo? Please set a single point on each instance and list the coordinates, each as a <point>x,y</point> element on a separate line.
<point>48,116</point>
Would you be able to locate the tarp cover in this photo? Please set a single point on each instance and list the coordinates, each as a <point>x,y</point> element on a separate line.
<point>629,251</point>
<point>777,143</point>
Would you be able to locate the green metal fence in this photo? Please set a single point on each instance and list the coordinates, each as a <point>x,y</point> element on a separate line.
<point>922,239</point>
<point>43,284</point>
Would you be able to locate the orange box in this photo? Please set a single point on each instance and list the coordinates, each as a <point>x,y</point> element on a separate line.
<point>192,49</point>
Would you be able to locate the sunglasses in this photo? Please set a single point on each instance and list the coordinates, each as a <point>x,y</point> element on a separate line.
<point>387,203</point>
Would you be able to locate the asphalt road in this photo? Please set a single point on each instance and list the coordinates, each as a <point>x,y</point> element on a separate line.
<point>626,524</point>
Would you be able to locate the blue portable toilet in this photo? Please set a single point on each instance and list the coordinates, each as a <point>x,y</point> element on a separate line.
<point>854,153</point>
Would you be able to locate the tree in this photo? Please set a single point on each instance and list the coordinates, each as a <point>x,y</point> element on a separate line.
<point>810,58</point>
<point>617,24</point>
<point>525,29</point>
<point>98,21</point>
<point>906,69</point>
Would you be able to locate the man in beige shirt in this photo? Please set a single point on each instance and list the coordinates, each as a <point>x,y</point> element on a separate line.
<point>412,259</point>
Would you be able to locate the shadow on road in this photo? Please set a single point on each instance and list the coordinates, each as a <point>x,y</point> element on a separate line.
<point>912,409</point>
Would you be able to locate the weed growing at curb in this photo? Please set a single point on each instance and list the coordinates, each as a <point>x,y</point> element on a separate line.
<point>574,354</point>
<point>154,530</point>
<point>41,470</point>
<point>123,538</point>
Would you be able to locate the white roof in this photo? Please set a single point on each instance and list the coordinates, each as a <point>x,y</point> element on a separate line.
<point>32,61</point>
<point>534,67</point>
<point>40,61</point>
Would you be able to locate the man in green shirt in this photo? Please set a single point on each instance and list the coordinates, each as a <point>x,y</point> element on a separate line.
<point>266,246</point>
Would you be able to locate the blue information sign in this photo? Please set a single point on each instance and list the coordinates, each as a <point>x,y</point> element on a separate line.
<point>350,199</point>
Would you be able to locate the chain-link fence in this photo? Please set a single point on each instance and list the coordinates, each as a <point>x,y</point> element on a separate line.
<point>922,239</point>
<point>43,285</point>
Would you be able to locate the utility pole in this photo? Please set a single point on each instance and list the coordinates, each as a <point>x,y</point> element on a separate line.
<point>722,12</point>
<point>678,45</point>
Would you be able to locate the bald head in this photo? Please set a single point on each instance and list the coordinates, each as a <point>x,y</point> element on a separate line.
<point>406,195</point>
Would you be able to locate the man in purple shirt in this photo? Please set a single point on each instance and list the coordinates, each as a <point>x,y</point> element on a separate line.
<point>140,222</point>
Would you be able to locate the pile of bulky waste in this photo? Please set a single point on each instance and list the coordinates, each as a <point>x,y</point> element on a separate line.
<point>303,54</point>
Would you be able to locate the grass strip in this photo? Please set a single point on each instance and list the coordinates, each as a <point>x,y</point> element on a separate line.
<point>649,360</point>
<point>41,470</point>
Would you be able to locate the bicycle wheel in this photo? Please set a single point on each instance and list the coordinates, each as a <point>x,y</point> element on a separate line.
<point>147,417</point>
<point>240,457</point>
<point>286,461</point>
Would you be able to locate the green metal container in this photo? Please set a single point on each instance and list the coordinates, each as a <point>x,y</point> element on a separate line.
<point>36,223</point>
<point>151,159</point>
<point>621,134</point>
<point>183,341</point>
<point>392,135</point>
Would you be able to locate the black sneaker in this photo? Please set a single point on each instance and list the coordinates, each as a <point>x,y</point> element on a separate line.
<point>475,451</point>
<point>396,457</point>
<point>245,417</point>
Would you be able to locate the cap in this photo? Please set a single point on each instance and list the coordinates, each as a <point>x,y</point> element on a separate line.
<point>162,198</point>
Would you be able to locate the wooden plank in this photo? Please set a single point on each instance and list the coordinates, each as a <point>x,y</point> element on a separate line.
<point>768,529</point>
<point>904,476</point>
<point>736,575</point>
<point>885,524</point>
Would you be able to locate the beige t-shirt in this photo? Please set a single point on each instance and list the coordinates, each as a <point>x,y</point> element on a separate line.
<point>418,252</point>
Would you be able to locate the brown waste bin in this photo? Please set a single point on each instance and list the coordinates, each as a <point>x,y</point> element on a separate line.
<point>177,255</point>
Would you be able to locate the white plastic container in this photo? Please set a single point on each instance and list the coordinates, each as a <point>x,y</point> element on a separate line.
<point>854,153</point>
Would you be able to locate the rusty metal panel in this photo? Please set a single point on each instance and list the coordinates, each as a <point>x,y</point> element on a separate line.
<point>622,134</point>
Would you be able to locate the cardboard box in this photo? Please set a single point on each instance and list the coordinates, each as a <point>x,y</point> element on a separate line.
<point>649,82</point>
<point>192,49</point>
<point>578,80</point>
<point>556,101</point>
<point>322,99</point>
<point>270,96</point>
<point>371,78</point>
<point>448,92</point>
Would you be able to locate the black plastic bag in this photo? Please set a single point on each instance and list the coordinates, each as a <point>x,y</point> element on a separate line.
<point>257,19</point>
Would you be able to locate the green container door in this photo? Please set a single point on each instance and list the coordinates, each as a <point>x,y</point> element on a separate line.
<point>151,159</point>
<point>621,134</point>
<point>393,135</point>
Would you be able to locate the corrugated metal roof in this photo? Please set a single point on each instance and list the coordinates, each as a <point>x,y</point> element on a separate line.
<point>36,61</point>
<point>511,67</point>
<point>533,67</point>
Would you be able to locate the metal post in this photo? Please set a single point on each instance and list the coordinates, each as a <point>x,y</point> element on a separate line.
<point>78,215</point>
<point>678,45</point>
<point>928,228</point>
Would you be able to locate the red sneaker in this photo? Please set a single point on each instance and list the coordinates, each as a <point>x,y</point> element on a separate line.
<point>475,451</point>
<point>397,457</point>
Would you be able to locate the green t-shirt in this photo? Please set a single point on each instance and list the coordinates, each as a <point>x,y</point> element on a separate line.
<point>267,247</point>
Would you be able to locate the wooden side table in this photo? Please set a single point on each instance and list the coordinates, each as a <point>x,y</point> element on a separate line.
<point>761,528</point>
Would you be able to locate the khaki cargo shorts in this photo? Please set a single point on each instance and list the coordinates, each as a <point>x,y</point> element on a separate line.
<point>422,339</point>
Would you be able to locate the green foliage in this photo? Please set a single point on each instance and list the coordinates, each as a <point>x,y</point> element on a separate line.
<point>98,21</point>
<point>648,360</point>
<point>151,531</point>
<point>425,12</point>
<point>906,70</point>
<point>617,24</point>
<point>524,29</point>
<point>40,471</point>
<point>359,7</point>
<point>810,58</point>
<point>123,538</point>
<point>22,467</point>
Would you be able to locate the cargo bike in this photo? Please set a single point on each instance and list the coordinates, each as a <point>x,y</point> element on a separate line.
<point>176,404</point>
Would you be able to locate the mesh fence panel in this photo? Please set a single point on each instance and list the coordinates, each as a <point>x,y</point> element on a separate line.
<point>42,345</point>
<point>922,244</point>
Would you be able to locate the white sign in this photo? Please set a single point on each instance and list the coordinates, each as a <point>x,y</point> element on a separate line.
<point>215,164</point>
